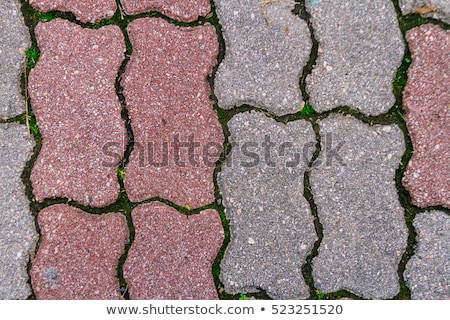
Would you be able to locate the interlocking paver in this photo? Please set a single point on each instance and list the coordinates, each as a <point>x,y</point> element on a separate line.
<point>177,134</point>
<point>437,9</point>
<point>360,49</point>
<point>353,184</point>
<point>272,229</point>
<point>172,254</point>
<point>427,102</point>
<point>264,58</point>
<point>79,254</point>
<point>73,95</point>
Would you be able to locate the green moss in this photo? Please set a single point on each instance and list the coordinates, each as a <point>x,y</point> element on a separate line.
<point>32,55</point>
<point>307,110</point>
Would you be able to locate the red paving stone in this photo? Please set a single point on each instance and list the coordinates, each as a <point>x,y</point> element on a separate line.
<point>73,96</point>
<point>172,254</point>
<point>167,96</point>
<point>84,10</point>
<point>78,255</point>
<point>183,10</point>
<point>427,102</point>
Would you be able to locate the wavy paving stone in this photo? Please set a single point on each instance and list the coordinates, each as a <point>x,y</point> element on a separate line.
<point>360,50</point>
<point>73,95</point>
<point>427,103</point>
<point>17,231</point>
<point>91,11</point>
<point>178,138</point>
<point>353,184</point>
<point>172,254</point>
<point>272,229</point>
<point>183,10</point>
<point>264,58</point>
<point>79,254</point>
<point>437,9</point>
<point>428,272</point>
<point>14,40</point>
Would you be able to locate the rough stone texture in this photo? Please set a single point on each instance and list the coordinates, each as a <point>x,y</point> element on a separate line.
<point>272,229</point>
<point>427,102</point>
<point>360,50</point>
<point>78,255</point>
<point>353,184</point>
<point>17,231</point>
<point>437,9</point>
<point>264,59</point>
<point>428,272</point>
<point>183,10</point>
<point>172,254</point>
<point>84,10</point>
<point>168,100</point>
<point>14,40</point>
<point>72,91</point>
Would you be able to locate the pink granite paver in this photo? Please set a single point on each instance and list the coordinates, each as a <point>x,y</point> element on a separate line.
<point>177,135</point>
<point>73,96</point>
<point>427,102</point>
<point>172,254</point>
<point>78,255</point>
<point>183,10</point>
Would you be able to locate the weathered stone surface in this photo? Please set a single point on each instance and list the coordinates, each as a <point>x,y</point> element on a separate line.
<point>14,40</point>
<point>72,91</point>
<point>360,49</point>
<point>437,9</point>
<point>427,102</point>
<point>353,184</point>
<point>183,10</point>
<point>84,10</point>
<point>17,231</point>
<point>428,272</point>
<point>172,254</point>
<point>78,255</point>
<point>272,229</point>
<point>264,58</point>
<point>177,135</point>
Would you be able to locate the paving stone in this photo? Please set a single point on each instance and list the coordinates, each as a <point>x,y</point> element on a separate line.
<point>428,271</point>
<point>272,229</point>
<point>91,11</point>
<point>178,138</point>
<point>79,254</point>
<point>183,10</point>
<point>14,40</point>
<point>353,184</point>
<point>172,254</point>
<point>427,104</point>
<point>264,58</point>
<point>437,9</point>
<point>360,50</point>
<point>17,231</point>
<point>72,91</point>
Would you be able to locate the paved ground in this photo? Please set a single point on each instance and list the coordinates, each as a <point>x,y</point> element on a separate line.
<point>208,149</point>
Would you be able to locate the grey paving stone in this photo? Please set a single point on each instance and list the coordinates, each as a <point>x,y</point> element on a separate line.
<point>428,272</point>
<point>437,9</point>
<point>14,40</point>
<point>264,59</point>
<point>353,184</point>
<point>17,230</point>
<point>271,224</point>
<point>360,50</point>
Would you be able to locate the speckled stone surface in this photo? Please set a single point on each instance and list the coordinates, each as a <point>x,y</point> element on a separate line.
<point>264,59</point>
<point>172,254</point>
<point>427,103</point>
<point>84,10</point>
<point>360,50</point>
<point>364,228</point>
<point>14,40</point>
<point>73,96</point>
<point>428,272</point>
<point>272,229</point>
<point>437,9</point>
<point>17,230</point>
<point>79,254</point>
<point>177,135</point>
<point>183,10</point>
